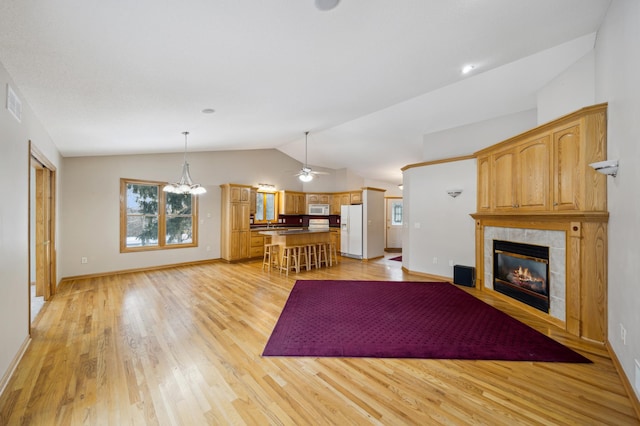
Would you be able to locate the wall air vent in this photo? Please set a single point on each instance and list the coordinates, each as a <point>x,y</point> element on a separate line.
<point>14,104</point>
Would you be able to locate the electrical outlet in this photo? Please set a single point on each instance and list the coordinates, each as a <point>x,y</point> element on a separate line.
<point>208,248</point>
<point>84,260</point>
<point>623,334</point>
<point>435,260</point>
<point>450,262</point>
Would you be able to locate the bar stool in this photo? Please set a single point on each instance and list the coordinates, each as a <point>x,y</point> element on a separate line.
<point>303,257</point>
<point>322,254</point>
<point>312,252</point>
<point>289,259</point>
<point>271,257</point>
<point>333,253</point>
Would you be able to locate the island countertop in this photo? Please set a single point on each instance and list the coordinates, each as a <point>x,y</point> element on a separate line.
<point>298,237</point>
<point>293,231</point>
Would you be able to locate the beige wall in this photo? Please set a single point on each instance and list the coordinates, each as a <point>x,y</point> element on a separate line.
<point>14,219</point>
<point>90,197</point>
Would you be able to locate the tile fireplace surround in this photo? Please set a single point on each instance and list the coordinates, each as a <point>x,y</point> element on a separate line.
<point>555,240</point>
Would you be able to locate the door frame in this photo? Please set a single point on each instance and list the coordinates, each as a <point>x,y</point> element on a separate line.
<point>45,212</point>
<point>387,201</point>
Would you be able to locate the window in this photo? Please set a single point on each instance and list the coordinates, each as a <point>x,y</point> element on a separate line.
<point>396,218</point>
<point>265,207</point>
<point>151,219</point>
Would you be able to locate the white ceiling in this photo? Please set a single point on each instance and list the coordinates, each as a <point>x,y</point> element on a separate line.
<point>369,79</point>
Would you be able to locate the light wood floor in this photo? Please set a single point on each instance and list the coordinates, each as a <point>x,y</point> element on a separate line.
<point>182,346</point>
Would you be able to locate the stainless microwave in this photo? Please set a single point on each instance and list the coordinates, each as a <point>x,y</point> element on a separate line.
<point>319,209</point>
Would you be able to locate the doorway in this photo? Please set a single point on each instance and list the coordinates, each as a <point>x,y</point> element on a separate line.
<point>42,271</point>
<point>394,215</point>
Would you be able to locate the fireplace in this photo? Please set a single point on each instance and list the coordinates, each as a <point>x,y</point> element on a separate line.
<point>521,271</point>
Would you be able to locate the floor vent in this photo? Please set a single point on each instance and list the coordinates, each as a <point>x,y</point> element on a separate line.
<point>14,104</point>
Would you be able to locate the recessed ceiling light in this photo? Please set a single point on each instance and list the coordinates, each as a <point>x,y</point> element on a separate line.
<point>208,111</point>
<point>467,69</point>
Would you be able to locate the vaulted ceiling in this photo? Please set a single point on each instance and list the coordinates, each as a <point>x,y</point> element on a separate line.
<point>368,79</point>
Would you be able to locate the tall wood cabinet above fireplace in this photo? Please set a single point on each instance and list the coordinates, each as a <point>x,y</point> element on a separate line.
<point>547,168</point>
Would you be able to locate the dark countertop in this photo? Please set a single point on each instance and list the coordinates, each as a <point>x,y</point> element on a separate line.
<point>272,231</point>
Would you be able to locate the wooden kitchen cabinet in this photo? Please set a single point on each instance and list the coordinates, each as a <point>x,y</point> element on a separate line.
<point>355,197</point>
<point>253,196</point>
<point>339,199</point>
<point>257,243</point>
<point>291,202</point>
<point>546,168</point>
<point>235,232</point>
<point>318,199</point>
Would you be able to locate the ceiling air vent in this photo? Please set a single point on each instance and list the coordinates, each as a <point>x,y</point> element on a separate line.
<point>14,105</point>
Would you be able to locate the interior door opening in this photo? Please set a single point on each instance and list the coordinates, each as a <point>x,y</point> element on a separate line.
<point>394,213</point>
<point>42,273</point>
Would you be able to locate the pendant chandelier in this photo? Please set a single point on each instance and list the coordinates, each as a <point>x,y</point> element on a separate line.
<point>186,185</point>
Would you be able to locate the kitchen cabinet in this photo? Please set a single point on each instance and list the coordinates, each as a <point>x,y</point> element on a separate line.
<point>291,202</point>
<point>252,200</point>
<point>355,197</point>
<point>547,168</point>
<point>318,199</point>
<point>235,232</point>
<point>258,241</point>
<point>339,199</point>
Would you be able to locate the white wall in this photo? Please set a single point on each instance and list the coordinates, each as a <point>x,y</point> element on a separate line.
<point>373,223</point>
<point>466,140</point>
<point>437,225</point>
<point>618,83</point>
<point>14,219</point>
<point>570,91</point>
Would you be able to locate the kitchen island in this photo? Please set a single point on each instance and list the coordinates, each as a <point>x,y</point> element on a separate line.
<point>298,237</point>
<point>299,243</point>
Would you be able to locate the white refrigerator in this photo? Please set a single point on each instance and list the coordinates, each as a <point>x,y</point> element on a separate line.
<point>351,231</point>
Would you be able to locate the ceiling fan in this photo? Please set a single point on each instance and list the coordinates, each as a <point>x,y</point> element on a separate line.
<point>306,174</point>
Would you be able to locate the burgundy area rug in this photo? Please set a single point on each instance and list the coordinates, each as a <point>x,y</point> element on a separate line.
<point>391,319</point>
<point>398,258</point>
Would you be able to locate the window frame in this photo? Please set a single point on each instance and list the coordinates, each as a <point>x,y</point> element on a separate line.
<point>275,206</point>
<point>162,219</point>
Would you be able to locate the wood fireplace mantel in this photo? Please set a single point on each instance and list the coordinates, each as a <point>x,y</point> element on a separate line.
<point>585,269</point>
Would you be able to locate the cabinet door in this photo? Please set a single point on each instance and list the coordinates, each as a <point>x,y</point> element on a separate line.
<point>239,217</point>
<point>324,199</point>
<point>532,190</point>
<point>568,172</point>
<point>335,204</point>
<point>313,199</point>
<point>503,180</point>
<point>289,203</point>
<point>252,201</point>
<point>300,204</point>
<point>484,184</point>
<point>355,197</point>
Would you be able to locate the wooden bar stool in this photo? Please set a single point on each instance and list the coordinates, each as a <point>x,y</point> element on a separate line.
<point>271,257</point>
<point>333,253</point>
<point>322,254</point>
<point>289,259</point>
<point>303,257</point>
<point>312,252</point>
